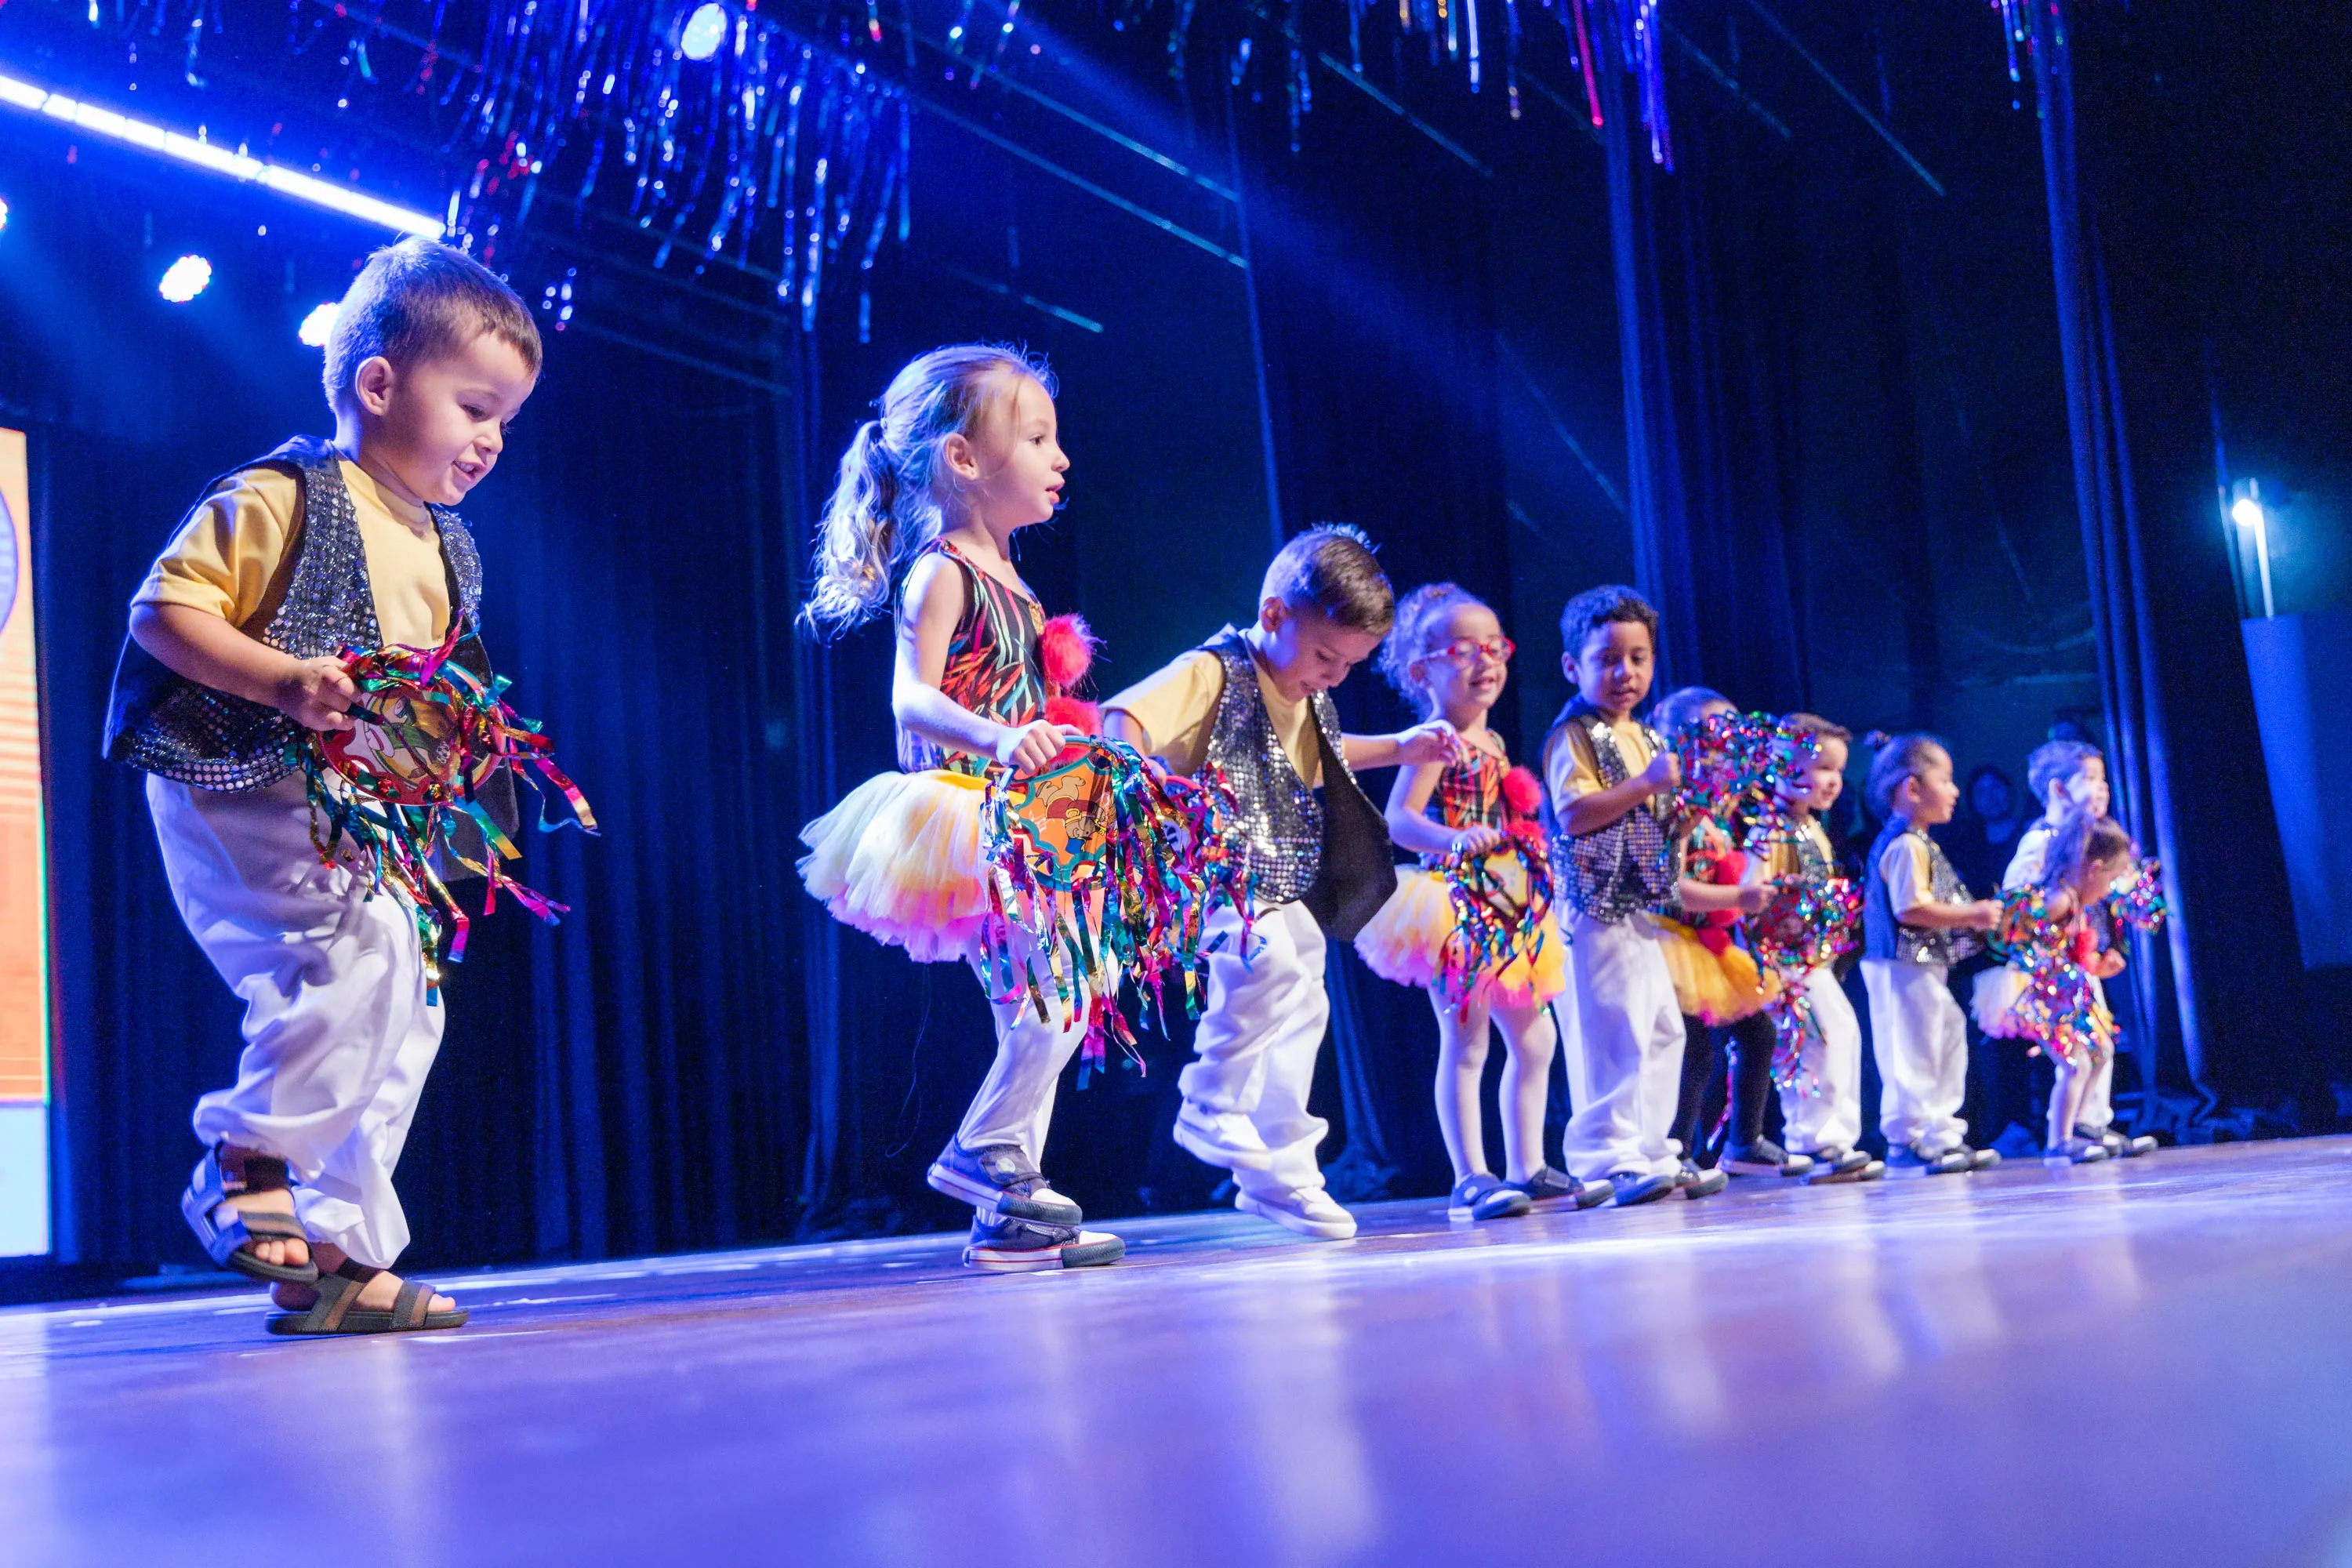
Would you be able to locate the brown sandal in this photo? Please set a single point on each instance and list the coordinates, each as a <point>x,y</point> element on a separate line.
<point>228,1232</point>
<point>336,1311</point>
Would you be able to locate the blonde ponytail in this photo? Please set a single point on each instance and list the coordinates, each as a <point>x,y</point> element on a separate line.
<point>885,506</point>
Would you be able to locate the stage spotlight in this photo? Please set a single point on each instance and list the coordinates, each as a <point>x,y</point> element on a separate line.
<point>316,325</point>
<point>2247,512</point>
<point>4,214</point>
<point>185,279</point>
<point>705,30</point>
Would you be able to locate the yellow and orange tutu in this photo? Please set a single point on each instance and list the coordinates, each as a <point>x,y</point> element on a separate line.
<point>1714,987</point>
<point>1406,942</point>
<point>899,860</point>
<point>1996,997</point>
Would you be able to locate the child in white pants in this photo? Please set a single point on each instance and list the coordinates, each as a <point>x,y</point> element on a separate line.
<point>1255,704</point>
<point>1611,861</point>
<point>1821,1104</point>
<point>1917,918</point>
<point>233,651</point>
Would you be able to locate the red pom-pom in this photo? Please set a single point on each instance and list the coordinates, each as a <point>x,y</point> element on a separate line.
<point>1730,866</point>
<point>1065,651</point>
<point>1523,792</point>
<point>1084,717</point>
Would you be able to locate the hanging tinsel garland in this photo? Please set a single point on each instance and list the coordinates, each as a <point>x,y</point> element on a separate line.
<point>784,154</point>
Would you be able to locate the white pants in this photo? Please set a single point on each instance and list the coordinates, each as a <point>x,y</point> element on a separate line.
<point>1921,1040</point>
<point>1822,1108</point>
<point>338,1032</point>
<point>1624,1052</point>
<point>1015,1102</point>
<point>1259,1035</point>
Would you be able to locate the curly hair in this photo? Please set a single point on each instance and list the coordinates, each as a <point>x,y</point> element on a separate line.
<point>1420,615</point>
<point>1598,607</point>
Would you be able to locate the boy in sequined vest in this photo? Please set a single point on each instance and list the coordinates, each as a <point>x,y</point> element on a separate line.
<point>1255,705</point>
<point>1917,920</point>
<point>233,654</point>
<point>1607,781</point>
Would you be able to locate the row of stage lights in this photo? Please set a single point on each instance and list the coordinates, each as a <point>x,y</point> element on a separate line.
<point>190,275</point>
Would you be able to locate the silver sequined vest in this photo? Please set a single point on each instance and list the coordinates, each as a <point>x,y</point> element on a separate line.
<point>1884,936</point>
<point>1630,865</point>
<point>162,724</point>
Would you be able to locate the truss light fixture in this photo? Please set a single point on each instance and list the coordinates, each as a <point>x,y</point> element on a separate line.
<point>20,94</point>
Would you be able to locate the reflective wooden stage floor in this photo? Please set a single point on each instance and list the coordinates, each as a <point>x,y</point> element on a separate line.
<point>2148,1362</point>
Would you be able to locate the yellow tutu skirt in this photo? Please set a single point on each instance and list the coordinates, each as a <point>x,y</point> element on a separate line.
<point>1406,941</point>
<point>899,860</point>
<point>1713,987</point>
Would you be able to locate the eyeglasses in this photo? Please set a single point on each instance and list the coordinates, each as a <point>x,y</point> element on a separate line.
<point>1466,651</point>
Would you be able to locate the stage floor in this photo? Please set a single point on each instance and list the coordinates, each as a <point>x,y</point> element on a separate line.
<point>2144,1362</point>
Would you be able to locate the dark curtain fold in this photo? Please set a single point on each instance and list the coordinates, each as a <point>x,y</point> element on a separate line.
<point>2172,669</point>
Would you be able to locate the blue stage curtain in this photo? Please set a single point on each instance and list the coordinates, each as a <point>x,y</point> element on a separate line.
<point>2185,757</point>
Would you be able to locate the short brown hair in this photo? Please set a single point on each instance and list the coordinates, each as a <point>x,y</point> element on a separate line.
<point>1814,724</point>
<point>1595,609</point>
<point>1330,567</point>
<point>418,300</point>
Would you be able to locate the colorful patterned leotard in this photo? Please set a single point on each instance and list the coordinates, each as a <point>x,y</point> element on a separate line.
<point>992,666</point>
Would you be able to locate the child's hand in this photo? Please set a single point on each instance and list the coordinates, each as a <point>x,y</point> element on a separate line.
<point>1479,840</point>
<point>1664,773</point>
<point>1435,741</point>
<point>1755,897</point>
<point>1032,747</point>
<point>2108,964</point>
<point>1982,915</point>
<point>316,693</point>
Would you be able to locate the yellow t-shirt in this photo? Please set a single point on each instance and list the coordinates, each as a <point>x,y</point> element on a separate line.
<point>1177,707</point>
<point>234,557</point>
<point>1905,869</point>
<point>1571,770</point>
<point>1782,860</point>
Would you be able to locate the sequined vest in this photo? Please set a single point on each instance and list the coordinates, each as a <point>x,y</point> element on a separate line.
<point>1630,865</point>
<point>164,723</point>
<point>992,666</point>
<point>1884,936</point>
<point>1331,853</point>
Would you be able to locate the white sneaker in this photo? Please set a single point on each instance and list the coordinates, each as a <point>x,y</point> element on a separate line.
<point>1310,1211</point>
<point>1222,1138</point>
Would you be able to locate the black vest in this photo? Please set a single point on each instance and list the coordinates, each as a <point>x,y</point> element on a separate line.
<point>164,723</point>
<point>1331,854</point>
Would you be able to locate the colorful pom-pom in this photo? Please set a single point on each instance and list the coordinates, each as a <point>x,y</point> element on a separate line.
<point>1079,715</point>
<point>1523,792</point>
<point>1065,651</point>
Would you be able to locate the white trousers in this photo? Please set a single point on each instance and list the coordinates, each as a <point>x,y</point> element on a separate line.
<point>338,1032</point>
<point>1624,1052</point>
<point>1822,1108</point>
<point>1259,1035</point>
<point>1920,1037</point>
<point>1015,1102</point>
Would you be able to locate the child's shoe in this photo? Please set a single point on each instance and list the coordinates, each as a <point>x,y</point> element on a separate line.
<point>1835,1164</point>
<point>2074,1151</point>
<point>1021,1246</point>
<point>1762,1158</point>
<point>1903,1160</point>
<point>2120,1145</point>
<point>1550,1189</point>
<point>1221,1138</point>
<point>1484,1196</point>
<point>1694,1183</point>
<point>1979,1158</point>
<point>1629,1187</point>
<point>1310,1211</point>
<point>998,1180</point>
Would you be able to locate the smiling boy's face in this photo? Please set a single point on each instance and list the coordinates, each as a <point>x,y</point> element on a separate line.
<point>439,425</point>
<point>1304,650</point>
